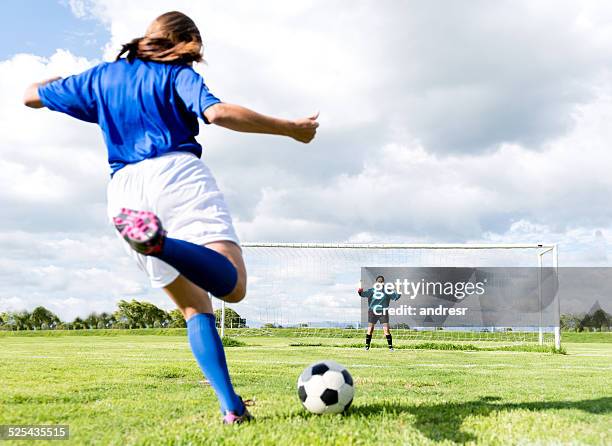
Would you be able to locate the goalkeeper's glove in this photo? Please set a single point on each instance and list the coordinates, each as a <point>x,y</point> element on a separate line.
<point>359,291</point>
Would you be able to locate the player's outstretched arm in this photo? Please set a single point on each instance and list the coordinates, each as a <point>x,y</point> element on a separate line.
<point>365,293</point>
<point>31,98</point>
<point>242,119</point>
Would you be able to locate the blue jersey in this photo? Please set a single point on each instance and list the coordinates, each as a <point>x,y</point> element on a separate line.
<point>144,108</point>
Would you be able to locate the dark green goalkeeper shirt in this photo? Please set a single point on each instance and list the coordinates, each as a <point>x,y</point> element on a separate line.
<point>379,300</point>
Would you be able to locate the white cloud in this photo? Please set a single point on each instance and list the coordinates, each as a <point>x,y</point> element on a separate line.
<point>78,8</point>
<point>404,189</point>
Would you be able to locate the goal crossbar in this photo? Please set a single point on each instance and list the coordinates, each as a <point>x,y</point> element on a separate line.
<point>402,245</point>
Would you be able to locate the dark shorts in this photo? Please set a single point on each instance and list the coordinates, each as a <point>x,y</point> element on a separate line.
<point>373,317</point>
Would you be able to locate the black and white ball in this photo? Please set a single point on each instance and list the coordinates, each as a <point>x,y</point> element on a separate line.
<point>326,387</point>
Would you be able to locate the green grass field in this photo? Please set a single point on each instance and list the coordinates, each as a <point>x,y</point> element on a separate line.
<point>135,389</point>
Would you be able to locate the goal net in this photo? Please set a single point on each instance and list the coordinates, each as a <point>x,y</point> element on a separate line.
<point>310,290</point>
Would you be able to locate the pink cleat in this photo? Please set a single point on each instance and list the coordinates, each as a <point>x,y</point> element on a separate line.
<point>232,418</point>
<point>142,230</point>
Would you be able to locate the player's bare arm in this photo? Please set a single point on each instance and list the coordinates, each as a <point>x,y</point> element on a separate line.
<point>31,98</point>
<point>242,119</point>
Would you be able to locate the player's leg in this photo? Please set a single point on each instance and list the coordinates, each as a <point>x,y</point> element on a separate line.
<point>216,267</point>
<point>233,253</point>
<point>369,332</point>
<point>189,299</point>
<point>387,332</point>
<point>206,345</point>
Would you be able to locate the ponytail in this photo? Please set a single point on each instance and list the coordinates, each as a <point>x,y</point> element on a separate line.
<point>130,48</point>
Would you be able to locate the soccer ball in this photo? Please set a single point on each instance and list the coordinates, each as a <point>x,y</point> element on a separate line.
<point>326,387</point>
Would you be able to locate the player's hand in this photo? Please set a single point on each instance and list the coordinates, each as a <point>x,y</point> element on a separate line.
<point>305,129</point>
<point>359,291</point>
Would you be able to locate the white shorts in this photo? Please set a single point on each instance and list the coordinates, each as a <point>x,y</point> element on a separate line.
<point>181,191</point>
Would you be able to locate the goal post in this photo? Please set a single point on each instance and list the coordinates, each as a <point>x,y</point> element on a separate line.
<point>309,289</point>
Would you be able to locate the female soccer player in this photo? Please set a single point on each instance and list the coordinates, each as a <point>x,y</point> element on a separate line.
<point>378,303</point>
<point>147,106</point>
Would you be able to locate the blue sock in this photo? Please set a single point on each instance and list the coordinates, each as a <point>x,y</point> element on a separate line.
<point>208,350</point>
<point>203,266</point>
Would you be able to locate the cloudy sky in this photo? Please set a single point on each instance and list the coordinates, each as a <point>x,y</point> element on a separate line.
<point>440,122</point>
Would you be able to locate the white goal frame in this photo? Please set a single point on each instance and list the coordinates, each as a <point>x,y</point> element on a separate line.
<point>541,250</point>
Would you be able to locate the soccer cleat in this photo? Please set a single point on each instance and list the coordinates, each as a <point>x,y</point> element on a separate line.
<point>142,230</point>
<point>367,347</point>
<point>391,349</point>
<point>231,417</point>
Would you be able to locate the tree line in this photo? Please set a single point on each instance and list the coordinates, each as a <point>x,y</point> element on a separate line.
<point>128,315</point>
<point>140,314</point>
<point>595,321</point>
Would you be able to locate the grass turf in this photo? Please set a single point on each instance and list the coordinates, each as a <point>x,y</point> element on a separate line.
<point>134,389</point>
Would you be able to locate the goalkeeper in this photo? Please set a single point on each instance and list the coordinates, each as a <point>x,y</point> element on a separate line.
<point>378,304</point>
